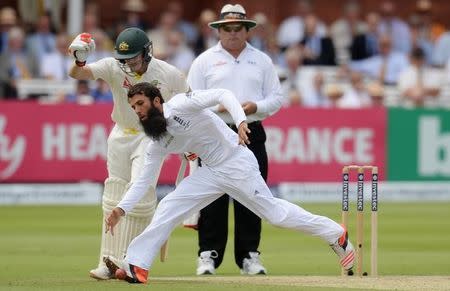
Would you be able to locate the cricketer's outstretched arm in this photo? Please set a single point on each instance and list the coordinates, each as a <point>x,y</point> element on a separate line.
<point>203,99</point>
<point>148,178</point>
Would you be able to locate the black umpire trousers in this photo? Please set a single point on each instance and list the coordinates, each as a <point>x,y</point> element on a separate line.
<point>213,221</point>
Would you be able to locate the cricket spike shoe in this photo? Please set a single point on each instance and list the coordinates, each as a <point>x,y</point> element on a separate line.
<point>128,272</point>
<point>101,273</point>
<point>132,274</point>
<point>345,251</point>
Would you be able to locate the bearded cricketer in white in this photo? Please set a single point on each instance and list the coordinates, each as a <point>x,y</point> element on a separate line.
<point>184,124</point>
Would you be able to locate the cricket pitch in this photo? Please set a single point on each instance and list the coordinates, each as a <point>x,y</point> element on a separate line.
<point>366,283</point>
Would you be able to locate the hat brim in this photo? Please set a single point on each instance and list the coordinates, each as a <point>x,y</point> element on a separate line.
<point>118,56</point>
<point>247,22</point>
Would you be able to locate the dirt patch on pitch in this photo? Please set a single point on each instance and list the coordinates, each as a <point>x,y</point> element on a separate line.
<point>380,283</point>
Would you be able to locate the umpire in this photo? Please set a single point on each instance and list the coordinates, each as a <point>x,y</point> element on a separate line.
<point>235,65</point>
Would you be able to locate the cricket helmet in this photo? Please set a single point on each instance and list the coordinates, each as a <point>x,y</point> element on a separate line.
<point>132,42</point>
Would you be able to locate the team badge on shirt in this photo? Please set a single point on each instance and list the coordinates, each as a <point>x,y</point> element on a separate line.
<point>182,122</point>
<point>219,63</point>
<point>126,83</point>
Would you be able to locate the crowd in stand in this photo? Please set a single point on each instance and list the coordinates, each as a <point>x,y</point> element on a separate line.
<point>356,61</point>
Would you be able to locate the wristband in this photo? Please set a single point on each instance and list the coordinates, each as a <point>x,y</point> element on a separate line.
<point>80,64</point>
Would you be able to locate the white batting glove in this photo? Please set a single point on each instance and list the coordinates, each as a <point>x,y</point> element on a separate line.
<point>81,47</point>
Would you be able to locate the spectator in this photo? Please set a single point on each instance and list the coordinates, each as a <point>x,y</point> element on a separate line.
<point>291,30</point>
<point>207,37</point>
<point>396,28</point>
<point>43,40</point>
<point>85,95</point>
<point>31,11</point>
<point>384,67</point>
<point>317,49</point>
<point>160,34</point>
<point>187,28</point>
<point>418,83</point>
<point>133,10</point>
<point>261,34</point>
<point>8,20</point>
<point>275,53</point>
<point>56,65</point>
<point>429,29</point>
<point>179,54</point>
<point>16,63</point>
<point>90,23</point>
<point>103,46</point>
<point>334,93</point>
<point>282,74</point>
<point>314,91</point>
<point>292,85</point>
<point>441,51</point>
<point>102,92</point>
<point>343,30</point>
<point>299,83</point>
<point>420,40</point>
<point>82,94</point>
<point>365,45</point>
<point>376,94</point>
<point>356,95</point>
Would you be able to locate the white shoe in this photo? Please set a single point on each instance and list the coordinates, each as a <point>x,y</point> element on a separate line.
<point>101,273</point>
<point>205,265</point>
<point>253,265</point>
<point>345,251</point>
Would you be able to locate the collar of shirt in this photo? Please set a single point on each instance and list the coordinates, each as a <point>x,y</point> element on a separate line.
<point>219,48</point>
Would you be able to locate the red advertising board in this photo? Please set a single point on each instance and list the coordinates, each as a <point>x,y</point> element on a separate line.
<point>313,144</point>
<point>58,143</point>
<point>67,143</point>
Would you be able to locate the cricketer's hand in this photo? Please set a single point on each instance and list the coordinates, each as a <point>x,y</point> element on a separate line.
<point>81,47</point>
<point>243,130</point>
<point>113,219</point>
<point>249,107</point>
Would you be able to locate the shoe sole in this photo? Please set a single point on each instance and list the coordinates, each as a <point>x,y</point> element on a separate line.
<point>112,267</point>
<point>259,273</point>
<point>92,275</point>
<point>206,273</point>
<point>132,280</point>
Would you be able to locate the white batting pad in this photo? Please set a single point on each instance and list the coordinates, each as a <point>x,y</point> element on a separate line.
<point>130,225</point>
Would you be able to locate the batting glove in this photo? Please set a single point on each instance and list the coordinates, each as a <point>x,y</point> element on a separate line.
<point>81,47</point>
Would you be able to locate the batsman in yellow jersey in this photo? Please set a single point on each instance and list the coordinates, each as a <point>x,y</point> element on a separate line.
<point>132,63</point>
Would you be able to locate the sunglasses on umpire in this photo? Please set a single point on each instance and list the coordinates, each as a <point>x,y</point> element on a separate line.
<point>235,28</point>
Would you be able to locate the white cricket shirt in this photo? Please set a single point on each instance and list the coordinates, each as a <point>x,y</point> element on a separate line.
<point>251,77</point>
<point>191,127</point>
<point>168,79</point>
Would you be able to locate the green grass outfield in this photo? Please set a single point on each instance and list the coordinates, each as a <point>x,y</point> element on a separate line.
<point>53,248</point>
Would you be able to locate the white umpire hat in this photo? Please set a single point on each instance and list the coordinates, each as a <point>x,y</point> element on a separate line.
<point>233,14</point>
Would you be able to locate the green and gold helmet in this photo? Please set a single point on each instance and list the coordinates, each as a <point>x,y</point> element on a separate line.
<point>132,42</point>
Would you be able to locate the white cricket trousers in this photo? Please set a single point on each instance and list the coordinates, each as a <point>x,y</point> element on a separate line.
<point>239,177</point>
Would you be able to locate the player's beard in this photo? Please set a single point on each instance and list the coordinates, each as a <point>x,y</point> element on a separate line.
<point>155,125</point>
